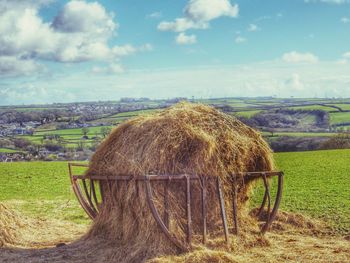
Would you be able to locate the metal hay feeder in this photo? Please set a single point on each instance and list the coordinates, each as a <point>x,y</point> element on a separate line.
<point>90,194</point>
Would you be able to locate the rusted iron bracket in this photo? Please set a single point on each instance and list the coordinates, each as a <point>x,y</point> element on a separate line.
<point>91,199</point>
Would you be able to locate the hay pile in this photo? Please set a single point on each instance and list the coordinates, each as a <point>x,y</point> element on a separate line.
<point>293,238</point>
<point>184,139</point>
<point>19,230</point>
<point>10,223</point>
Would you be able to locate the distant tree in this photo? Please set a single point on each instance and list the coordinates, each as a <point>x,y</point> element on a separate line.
<point>105,131</point>
<point>21,143</point>
<point>272,131</point>
<point>339,141</point>
<point>80,146</point>
<point>52,147</point>
<point>85,131</point>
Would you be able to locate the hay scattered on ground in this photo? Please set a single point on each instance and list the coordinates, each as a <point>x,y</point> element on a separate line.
<point>18,230</point>
<point>293,242</point>
<point>293,238</point>
<point>10,224</point>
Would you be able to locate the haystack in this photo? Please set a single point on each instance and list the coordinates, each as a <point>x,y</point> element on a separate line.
<point>9,224</point>
<point>183,139</point>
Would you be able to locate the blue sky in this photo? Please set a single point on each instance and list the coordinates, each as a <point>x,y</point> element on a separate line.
<point>65,51</point>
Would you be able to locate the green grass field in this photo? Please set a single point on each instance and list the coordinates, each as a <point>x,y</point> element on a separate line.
<point>7,150</point>
<point>316,184</point>
<point>300,134</point>
<point>70,137</point>
<point>130,114</point>
<point>247,114</point>
<point>313,107</point>
<point>339,117</point>
<point>344,106</point>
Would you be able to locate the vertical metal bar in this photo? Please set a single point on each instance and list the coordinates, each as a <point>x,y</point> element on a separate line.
<point>88,195</point>
<point>222,209</point>
<point>276,204</point>
<point>267,189</point>
<point>156,216</point>
<point>234,203</point>
<point>188,202</point>
<point>109,187</point>
<point>92,185</point>
<point>116,185</point>
<point>70,169</point>
<point>166,204</point>
<point>261,209</point>
<point>137,188</point>
<point>204,209</point>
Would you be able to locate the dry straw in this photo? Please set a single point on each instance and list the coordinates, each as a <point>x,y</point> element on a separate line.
<point>183,139</point>
<point>9,224</point>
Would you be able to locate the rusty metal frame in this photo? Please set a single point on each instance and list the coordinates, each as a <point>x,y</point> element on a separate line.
<point>271,215</point>
<point>90,203</point>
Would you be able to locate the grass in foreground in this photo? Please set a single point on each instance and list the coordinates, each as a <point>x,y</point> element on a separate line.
<point>316,184</point>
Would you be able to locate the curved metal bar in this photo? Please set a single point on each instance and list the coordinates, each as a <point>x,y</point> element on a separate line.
<point>276,204</point>
<point>78,193</point>
<point>234,203</point>
<point>166,204</point>
<point>267,190</point>
<point>261,209</point>
<point>222,209</point>
<point>157,217</point>
<point>204,209</point>
<point>88,196</point>
<point>101,191</point>
<point>188,210</point>
<point>92,185</point>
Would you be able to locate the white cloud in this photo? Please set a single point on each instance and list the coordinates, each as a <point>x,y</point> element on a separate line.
<point>253,28</point>
<point>183,39</point>
<point>206,10</point>
<point>181,25</point>
<point>198,14</point>
<point>294,83</point>
<point>346,55</point>
<point>257,79</point>
<point>345,20</point>
<point>83,17</point>
<point>80,32</point>
<point>113,68</point>
<point>342,61</point>
<point>240,39</point>
<point>125,50</point>
<point>11,66</point>
<point>146,47</point>
<point>296,57</point>
<point>155,15</point>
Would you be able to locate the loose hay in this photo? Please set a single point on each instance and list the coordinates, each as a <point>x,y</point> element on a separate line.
<point>19,230</point>
<point>293,242</point>
<point>9,225</point>
<point>184,139</point>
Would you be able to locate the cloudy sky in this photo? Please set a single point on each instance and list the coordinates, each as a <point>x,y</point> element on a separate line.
<point>65,51</point>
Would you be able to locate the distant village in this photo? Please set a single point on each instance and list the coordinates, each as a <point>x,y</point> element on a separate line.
<point>17,122</point>
<point>42,132</point>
